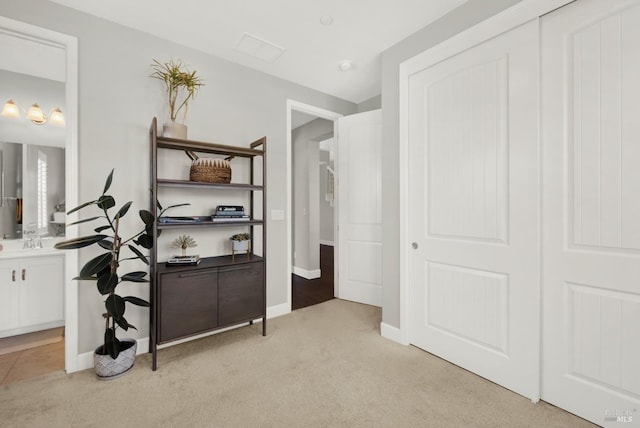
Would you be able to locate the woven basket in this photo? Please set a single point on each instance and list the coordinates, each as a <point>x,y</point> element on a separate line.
<point>210,170</point>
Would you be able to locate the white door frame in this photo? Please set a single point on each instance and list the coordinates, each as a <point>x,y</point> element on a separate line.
<point>323,114</point>
<point>70,45</point>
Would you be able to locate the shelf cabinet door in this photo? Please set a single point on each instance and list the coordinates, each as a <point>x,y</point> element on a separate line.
<point>188,303</point>
<point>240,293</point>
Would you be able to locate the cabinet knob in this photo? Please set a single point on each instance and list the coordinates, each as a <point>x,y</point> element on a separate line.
<point>13,275</point>
<point>24,274</point>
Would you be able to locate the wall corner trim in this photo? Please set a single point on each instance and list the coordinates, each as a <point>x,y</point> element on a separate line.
<point>392,333</point>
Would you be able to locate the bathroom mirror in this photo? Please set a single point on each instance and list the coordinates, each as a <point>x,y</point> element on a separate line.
<point>32,167</point>
<point>32,183</point>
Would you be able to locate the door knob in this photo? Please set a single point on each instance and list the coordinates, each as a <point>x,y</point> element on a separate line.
<point>414,245</point>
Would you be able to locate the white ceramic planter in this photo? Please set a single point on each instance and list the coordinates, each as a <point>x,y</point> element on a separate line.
<point>108,369</point>
<point>240,246</point>
<point>174,130</point>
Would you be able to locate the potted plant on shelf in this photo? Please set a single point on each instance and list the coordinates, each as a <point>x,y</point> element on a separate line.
<point>114,357</point>
<point>181,85</point>
<point>240,243</point>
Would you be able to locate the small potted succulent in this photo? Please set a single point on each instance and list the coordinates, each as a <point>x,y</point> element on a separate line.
<point>240,243</point>
<point>181,86</point>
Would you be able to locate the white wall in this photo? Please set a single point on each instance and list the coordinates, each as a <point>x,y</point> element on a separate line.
<point>456,21</point>
<point>117,100</point>
<point>306,192</point>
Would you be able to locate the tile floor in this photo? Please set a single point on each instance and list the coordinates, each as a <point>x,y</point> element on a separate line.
<point>31,363</point>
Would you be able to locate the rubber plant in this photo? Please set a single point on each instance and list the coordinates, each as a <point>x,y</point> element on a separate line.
<point>103,269</point>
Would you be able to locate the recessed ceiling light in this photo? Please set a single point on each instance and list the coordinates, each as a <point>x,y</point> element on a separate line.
<point>326,20</point>
<point>346,65</point>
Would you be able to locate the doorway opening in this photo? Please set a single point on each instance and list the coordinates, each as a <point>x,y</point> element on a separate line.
<point>312,205</point>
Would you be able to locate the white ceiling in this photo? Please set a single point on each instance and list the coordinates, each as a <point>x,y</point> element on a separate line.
<point>361,30</point>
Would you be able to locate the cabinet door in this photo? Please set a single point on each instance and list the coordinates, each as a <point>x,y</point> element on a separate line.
<point>240,293</point>
<point>41,290</point>
<point>188,303</point>
<point>10,295</point>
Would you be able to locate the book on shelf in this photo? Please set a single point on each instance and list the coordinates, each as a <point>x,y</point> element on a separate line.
<point>228,218</point>
<point>229,208</point>
<point>185,219</point>
<point>183,260</point>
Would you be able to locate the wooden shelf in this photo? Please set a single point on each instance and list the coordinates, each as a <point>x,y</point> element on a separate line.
<point>209,224</point>
<point>221,291</point>
<point>211,262</point>
<point>202,147</point>
<point>162,182</point>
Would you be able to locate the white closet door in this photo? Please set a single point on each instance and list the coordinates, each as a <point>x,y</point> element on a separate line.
<point>474,209</point>
<point>591,242</point>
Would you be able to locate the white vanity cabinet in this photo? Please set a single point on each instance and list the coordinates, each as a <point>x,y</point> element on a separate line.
<point>31,294</point>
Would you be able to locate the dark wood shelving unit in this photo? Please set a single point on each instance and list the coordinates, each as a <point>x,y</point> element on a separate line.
<point>220,291</point>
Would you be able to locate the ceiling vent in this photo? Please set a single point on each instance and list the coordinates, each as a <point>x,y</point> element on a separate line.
<point>259,48</point>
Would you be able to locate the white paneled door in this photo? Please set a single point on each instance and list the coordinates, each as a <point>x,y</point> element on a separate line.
<point>360,208</point>
<point>474,209</point>
<point>591,241</point>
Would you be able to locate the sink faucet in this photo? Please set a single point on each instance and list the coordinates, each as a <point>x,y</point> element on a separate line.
<point>29,241</point>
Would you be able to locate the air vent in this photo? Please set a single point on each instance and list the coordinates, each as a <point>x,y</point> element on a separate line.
<point>259,48</point>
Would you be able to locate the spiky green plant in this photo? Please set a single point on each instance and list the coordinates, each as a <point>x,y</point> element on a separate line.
<point>103,269</point>
<point>180,84</point>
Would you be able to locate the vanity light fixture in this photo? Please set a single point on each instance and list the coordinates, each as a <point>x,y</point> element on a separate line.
<point>35,114</point>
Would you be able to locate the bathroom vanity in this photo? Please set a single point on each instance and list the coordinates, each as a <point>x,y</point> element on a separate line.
<point>31,288</point>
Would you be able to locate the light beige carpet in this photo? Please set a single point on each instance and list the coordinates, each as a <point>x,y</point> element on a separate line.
<point>321,366</point>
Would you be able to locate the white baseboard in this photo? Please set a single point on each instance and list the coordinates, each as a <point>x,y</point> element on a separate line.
<point>329,243</point>
<point>278,310</point>
<point>392,333</point>
<point>307,274</point>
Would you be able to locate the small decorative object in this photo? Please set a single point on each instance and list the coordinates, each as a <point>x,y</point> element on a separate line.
<point>184,242</point>
<point>181,86</point>
<point>209,170</point>
<point>114,357</point>
<point>240,243</point>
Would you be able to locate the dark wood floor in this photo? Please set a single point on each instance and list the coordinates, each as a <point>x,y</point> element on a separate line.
<point>305,292</point>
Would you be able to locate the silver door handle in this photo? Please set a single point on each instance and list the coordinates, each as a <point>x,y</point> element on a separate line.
<point>414,245</point>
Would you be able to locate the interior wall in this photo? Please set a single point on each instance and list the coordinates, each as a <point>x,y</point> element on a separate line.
<point>456,21</point>
<point>372,103</point>
<point>117,100</point>
<point>306,192</point>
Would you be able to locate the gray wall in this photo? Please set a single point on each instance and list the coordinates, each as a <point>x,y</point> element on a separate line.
<point>458,20</point>
<point>306,192</point>
<point>117,100</point>
<point>372,103</point>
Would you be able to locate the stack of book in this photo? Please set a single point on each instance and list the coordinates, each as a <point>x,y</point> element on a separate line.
<point>229,213</point>
<point>183,260</point>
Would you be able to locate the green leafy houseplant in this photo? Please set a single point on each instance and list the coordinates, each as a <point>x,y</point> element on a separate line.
<point>180,83</point>
<point>240,237</point>
<point>103,269</point>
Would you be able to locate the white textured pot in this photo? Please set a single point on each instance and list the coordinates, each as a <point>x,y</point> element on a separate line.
<point>174,130</point>
<point>108,369</point>
<point>240,246</point>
